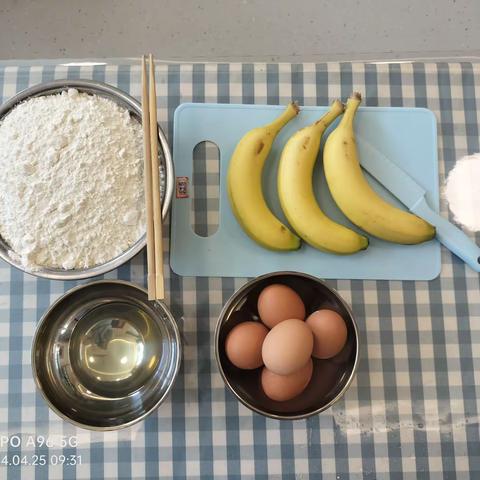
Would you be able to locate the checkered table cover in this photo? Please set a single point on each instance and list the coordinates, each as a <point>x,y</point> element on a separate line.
<point>413,409</point>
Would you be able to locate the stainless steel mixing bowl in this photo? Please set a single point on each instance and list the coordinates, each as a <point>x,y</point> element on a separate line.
<point>104,357</point>
<point>331,378</point>
<point>166,167</point>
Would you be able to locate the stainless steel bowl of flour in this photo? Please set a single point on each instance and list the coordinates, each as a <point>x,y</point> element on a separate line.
<point>127,103</point>
<point>104,357</point>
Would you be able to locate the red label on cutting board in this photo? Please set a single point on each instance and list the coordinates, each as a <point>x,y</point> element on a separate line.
<point>182,187</point>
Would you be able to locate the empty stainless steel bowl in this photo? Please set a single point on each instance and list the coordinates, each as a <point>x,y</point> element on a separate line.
<point>104,357</point>
<point>331,378</point>
<point>165,159</point>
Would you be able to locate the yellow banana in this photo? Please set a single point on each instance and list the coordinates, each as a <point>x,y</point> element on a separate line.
<point>244,185</point>
<point>297,199</point>
<point>354,196</point>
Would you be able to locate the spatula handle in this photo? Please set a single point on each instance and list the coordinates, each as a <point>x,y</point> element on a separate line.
<point>451,236</point>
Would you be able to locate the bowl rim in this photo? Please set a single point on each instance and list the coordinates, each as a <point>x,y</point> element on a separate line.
<point>93,86</point>
<point>234,298</point>
<point>44,318</point>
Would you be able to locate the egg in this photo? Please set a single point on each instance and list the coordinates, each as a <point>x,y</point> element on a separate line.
<point>329,333</point>
<point>277,303</point>
<point>287,347</point>
<point>285,387</point>
<point>243,345</point>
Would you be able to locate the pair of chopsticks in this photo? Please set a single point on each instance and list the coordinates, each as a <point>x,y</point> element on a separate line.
<point>155,280</point>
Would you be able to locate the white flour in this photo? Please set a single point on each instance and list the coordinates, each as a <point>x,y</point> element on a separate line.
<point>463,192</point>
<point>71,182</point>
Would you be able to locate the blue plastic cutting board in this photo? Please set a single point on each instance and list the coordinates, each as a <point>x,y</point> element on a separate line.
<point>405,135</point>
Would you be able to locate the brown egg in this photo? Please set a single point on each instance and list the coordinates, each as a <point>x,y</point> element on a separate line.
<point>329,332</point>
<point>287,347</point>
<point>285,387</point>
<point>277,303</point>
<point>243,345</point>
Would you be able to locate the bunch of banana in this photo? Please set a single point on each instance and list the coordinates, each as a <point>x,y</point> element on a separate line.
<point>354,196</point>
<point>244,184</point>
<point>295,189</point>
<point>347,184</point>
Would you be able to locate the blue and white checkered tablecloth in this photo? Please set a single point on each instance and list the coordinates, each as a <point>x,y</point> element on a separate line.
<point>412,411</point>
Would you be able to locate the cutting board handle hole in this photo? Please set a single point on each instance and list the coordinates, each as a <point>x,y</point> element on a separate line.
<point>205,189</point>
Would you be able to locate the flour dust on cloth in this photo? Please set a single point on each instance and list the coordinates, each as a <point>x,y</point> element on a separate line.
<point>462,192</point>
<point>71,183</point>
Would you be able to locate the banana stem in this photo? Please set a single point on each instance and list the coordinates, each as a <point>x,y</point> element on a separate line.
<point>290,112</point>
<point>336,108</point>
<point>351,108</point>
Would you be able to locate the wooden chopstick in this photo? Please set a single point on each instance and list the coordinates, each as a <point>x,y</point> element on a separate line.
<point>157,207</point>
<point>148,184</point>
